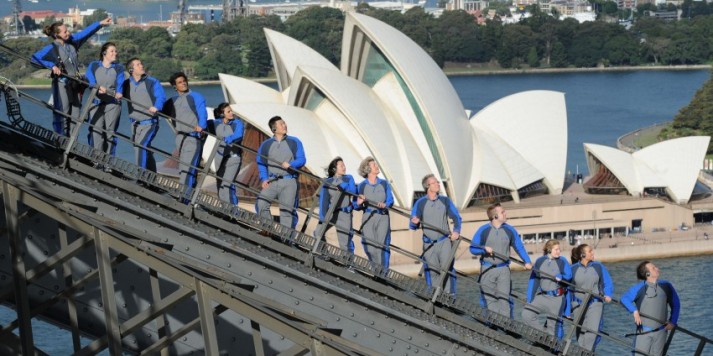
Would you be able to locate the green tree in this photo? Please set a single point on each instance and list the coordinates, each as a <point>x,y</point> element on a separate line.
<point>223,56</point>
<point>558,58</point>
<point>455,37</point>
<point>98,15</point>
<point>492,32</point>
<point>419,25</point>
<point>319,28</point>
<point>161,68</point>
<point>696,118</point>
<point>16,69</point>
<point>30,24</point>
<point>257,60</point>
<point>532,59</point>
<point>515,45</point>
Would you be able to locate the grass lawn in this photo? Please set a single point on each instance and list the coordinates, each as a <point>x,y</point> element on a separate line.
<point>648,136</point>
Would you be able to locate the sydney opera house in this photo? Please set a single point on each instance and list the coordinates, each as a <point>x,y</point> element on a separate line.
<point>388,99</point>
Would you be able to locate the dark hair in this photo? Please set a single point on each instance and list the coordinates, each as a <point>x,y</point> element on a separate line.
<point>52,29</point>
<point>332,168</point>
<point>218,111</point>
<point>273,122</point>
<point>642,271</point>
<point>175,76</point>
<point>577,253</point>
<point>105,47</point>
<point>130,63</point>
<point>491,211</point>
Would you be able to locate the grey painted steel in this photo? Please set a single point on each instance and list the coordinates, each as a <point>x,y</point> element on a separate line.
<point>75,126</point>
<point>68,282</point>
<point>156,296</point>
<point>17,251</point>
<point>205,310</point>
<point>200,250</point>
<point>107,292</point>
<point>215,247</point>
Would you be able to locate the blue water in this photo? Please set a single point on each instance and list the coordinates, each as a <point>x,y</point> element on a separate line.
<point>600,107</point>
<point>689,277</point>
<point>144,11</point>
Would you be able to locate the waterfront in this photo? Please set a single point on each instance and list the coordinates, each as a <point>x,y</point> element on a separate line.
<point>601,107</point>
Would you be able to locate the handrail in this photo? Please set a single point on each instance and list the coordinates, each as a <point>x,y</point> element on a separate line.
<point>444,273</point>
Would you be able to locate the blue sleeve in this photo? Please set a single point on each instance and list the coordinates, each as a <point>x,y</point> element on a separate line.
<point>455,215</point>
<point>389,196</point>
<point>159,94</point>
<point>531,287</point>
<point>354,202</point>
<point>675,305</point>
<point>80,37</point>
<point>39,56</point>
<point>300,158</point>
<point>120,79</point>
<point>476,244</point>
<point>351,188</point>
<point>90,73</point>
<point>627,300</point>
<point>519,247</point>
<point>608,283</point>
<point>416,212</point>
<point>323,201</point>
<point>237,134</point>
<point>261,159</point>
<point>567,273</point>
<point>201,113</point>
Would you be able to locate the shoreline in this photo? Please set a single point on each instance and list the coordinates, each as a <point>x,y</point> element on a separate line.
<point>476,71</point>
<point>635,247</point>
<point>471,72</point>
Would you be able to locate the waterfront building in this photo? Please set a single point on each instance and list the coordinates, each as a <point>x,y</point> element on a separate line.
<point>390,100</point>
<point>41,15</point>
<point>667,169</point>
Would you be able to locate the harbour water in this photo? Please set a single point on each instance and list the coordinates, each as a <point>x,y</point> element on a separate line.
<point>600,107</point>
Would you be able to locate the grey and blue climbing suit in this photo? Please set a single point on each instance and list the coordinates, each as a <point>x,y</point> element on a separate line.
<point>230,135</point>
<point>547,296</point>
<point>495,283</point>
<point>284,185</point>
<point>141,95</point>
<point>105,110</point>
<point>652,300</point>
<point>337,192</point>
<point>66,97</point>
<point>433,220</point>
<point>375,222</point>
<point>189,111</point>
<point>593,278</point>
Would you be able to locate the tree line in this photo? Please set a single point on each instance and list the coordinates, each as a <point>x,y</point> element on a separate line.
<point>540,40</point>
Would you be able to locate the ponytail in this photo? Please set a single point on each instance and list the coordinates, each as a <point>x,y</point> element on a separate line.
<point>52,29</point>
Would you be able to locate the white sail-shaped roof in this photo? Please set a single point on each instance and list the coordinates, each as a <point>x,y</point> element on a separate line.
<point>288,53</point>
<point>391,101</point>
<point>388,140</point>
<point>443,119</point>
<point>672,164</point>
<point>522,139</point>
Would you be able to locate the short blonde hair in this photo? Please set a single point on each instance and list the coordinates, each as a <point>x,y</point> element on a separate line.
<point>364,168</point>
